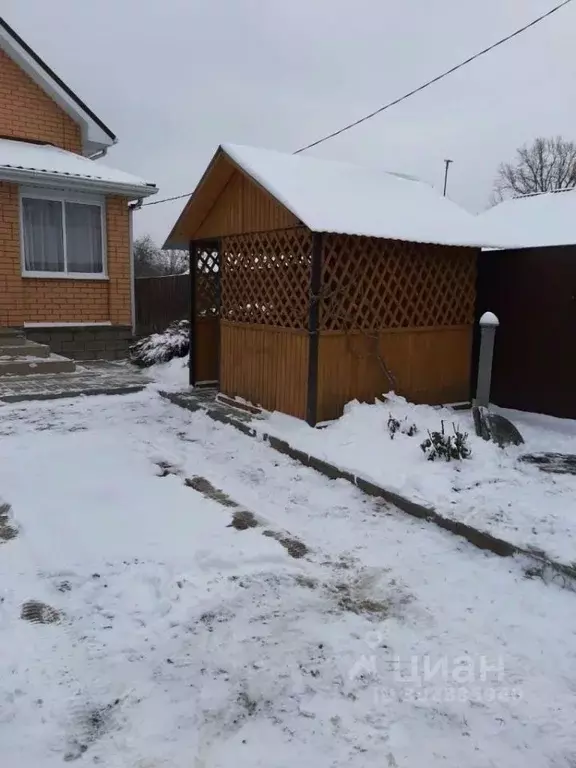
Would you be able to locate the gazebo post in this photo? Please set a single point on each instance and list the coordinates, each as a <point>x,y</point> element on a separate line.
<point>313,332</point>
<point>192,354</point>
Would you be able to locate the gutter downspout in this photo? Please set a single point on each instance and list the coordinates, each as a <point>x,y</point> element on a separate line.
<point>99,154</point>
<point>131,208</point>
<point>102,152</point>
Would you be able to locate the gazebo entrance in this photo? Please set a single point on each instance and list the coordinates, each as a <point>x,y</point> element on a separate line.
<point>205,310</point>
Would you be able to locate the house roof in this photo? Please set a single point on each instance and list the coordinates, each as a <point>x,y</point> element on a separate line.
<point>532,221</point>
<point>95,134</point>
<point>342,198</point>
<point>43,164</point>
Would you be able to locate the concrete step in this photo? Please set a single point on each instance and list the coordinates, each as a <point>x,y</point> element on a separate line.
<point>23,348</point>
<point>11,336</point>
<point>33,366</point>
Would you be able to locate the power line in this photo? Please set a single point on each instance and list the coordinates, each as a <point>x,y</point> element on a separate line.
<point>406,95</point>
<point>167,199</point>
<point>434,80</point>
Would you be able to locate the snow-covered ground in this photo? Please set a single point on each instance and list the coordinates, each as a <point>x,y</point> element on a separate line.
<point>184,642</point>
<point>491,490</point>
<point>171,376</point>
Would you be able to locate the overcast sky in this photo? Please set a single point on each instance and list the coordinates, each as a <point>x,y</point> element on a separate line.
<point>174,78</point>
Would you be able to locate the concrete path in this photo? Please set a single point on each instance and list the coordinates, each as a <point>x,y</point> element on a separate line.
<point>94,378</point>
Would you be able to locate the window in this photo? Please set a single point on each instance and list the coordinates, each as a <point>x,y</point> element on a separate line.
<point>62,237</point>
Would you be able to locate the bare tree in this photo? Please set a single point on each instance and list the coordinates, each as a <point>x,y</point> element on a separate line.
<point>173,262</point>
<point>543,166</point>
<point>151,261</point>
<point>145,257</point>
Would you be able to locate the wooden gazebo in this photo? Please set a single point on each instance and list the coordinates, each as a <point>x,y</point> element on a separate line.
<point>316,282</point>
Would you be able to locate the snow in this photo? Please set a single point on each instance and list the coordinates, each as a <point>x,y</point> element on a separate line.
<point>186,642</point>
<point>172,376</point>
<point>330,196</point>
<point>489,318</point>
<point>48,163</point>
<point>532,221</point>
<point>31,359</point>
<point>491,491</point>
<point>162,347</point>
<point>68,325</point>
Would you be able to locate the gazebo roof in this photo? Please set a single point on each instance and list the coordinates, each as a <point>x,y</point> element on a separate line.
<point>343,198</point>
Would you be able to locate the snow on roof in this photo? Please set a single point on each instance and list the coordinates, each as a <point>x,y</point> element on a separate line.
<point>44,164</point>
<point>330,196</point>
<point>533,220</point>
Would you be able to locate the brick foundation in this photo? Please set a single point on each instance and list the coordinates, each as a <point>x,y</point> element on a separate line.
<point>109,342</point>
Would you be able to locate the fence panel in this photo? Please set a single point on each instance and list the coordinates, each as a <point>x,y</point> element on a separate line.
<point>533,293</point>
<point>160,301</point>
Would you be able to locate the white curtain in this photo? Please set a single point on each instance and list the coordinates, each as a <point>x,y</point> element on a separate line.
<point>84,238</point>
<point>43,236</point>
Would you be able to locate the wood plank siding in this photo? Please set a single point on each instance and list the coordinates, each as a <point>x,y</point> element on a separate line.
<point>244,207</point>
<point>207,348</point>
<point>266,365</point>
<point>429,365</point>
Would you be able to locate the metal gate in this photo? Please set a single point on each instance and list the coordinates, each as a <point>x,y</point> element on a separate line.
<point>533,293</point>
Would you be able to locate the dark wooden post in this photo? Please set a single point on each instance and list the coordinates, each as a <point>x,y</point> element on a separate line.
<point>192,358</point>
<point>313,328</point>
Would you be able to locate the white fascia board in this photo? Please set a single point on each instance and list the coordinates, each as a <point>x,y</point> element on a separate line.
<point>93,137</point>
<point>60,181</point>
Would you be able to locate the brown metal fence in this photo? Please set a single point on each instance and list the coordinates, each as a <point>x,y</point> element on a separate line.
<point>160,301</point>
<point>533,293</point>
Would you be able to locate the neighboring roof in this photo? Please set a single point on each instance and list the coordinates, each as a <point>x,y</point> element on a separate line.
<point>95,134</point>
<point>338,197</point>
<point>532,221</point>
<point>43,164</point>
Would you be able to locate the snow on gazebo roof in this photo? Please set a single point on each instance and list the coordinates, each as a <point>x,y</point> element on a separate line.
<point>343,198</point>
<point>336,197</point>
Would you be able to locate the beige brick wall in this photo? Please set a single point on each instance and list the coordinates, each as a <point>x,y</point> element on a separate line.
<point>118,245</point>
<point>51,300</point>
<point>26,112</point>
<point>65,301</point>
<point>11,294</point>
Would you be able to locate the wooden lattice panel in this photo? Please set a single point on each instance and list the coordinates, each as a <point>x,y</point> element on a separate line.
<point>207,282</point>
<point>266,278</point>
<point>375,284</point>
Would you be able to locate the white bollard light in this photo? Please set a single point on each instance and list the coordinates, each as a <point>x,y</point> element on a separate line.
<point>488,324</point>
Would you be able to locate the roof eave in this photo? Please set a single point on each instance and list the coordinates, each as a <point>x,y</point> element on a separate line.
<point>62,181</point>
<point>174,245</point>
<point>96,136</point>
<point>171,241</point>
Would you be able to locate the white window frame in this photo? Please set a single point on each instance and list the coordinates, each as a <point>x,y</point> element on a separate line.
<point>64,197</point>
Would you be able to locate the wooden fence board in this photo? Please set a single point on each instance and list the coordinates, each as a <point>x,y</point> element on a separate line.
<point>161,301</point>
<point>266,365</point>
<point>429,365</point>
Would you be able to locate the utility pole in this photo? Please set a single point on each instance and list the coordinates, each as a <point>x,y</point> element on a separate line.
<point>446,174</point>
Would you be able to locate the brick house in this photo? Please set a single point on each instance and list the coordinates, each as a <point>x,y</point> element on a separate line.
<point>66,271</point>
